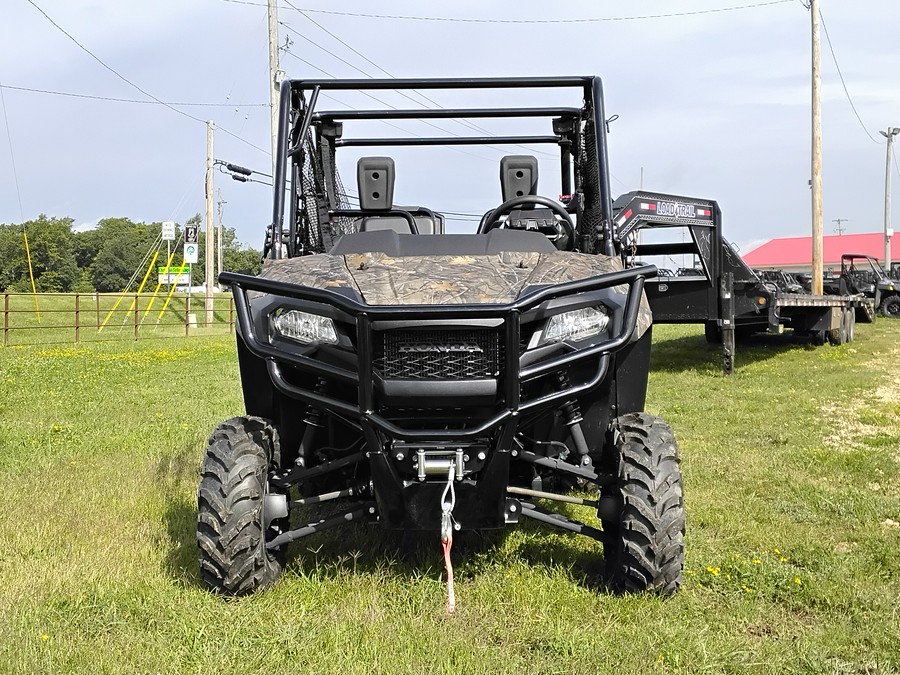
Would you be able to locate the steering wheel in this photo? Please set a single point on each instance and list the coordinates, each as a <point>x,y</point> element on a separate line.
<point>493,218</point>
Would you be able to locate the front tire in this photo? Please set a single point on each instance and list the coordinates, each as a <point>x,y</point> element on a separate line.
<point>643,511</point>
<point>230,521</point>
<point>890,306</point>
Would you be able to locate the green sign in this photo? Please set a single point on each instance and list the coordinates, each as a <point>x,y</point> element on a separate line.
<point>175,269</point>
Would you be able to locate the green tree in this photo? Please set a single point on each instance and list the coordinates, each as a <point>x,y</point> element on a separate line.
<point>50,243</point>
<point>122,252</point>
<point>236,257</point>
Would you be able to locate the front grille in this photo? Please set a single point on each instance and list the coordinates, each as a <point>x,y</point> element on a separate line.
<point>439,354</point>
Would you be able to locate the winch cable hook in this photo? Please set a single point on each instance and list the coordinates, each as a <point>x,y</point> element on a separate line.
<point>448,524</point>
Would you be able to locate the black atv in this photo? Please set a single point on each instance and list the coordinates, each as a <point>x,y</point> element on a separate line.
<point>863,274</point>
<point>418,380</point>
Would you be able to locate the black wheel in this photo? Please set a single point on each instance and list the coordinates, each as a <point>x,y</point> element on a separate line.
<point>850,324</point>
<point>643,511</point>
<point>231,521</point>
<point>818,337</point>
<point>712,332</point>
<point>839,335</point>
<point>890,306</point>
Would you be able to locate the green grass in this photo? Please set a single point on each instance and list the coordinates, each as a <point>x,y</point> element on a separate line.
<point>792,472</point>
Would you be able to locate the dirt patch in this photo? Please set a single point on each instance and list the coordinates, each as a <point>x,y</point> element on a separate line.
<point>848,429</point>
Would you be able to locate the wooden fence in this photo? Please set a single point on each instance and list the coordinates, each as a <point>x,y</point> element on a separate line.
<point>55,318</point>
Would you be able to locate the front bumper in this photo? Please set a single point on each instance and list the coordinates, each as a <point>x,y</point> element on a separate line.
<point>516,369</point>
<point>403,500</point>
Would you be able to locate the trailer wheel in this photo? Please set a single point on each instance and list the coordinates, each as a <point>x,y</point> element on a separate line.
<point>642,513</point>
<point>850,321</point>
<point>890,306</point>
<point>841,335</point>
<point>818,337</point>
<point>231,523</point>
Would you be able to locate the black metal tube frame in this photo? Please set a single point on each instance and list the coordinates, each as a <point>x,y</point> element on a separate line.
<point>363,513</point>
<point>592,87</point>
<point>529,510</point>
<point>364,314</point>
<point>445,140</point>
<point>443,113</point>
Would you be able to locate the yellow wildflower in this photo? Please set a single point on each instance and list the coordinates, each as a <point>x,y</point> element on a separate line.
<point>797,581</point>
<point>45,637</point>
<point>713,570</point>
<point>757,561</point>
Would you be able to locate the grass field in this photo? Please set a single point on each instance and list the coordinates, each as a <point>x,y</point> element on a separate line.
<point>792,472</point>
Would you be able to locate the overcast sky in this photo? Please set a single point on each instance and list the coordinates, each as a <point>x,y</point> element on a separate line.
<point>712,104</point>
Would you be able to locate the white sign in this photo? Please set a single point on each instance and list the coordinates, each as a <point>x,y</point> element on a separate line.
<point>191,252</point>
<point>175,279</point>
<point>168,230</point>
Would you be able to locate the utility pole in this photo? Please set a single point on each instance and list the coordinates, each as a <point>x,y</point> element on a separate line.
<point>839,229</point>
<point>209,262</point>
<point>888,231</point>
<point>219,202</point>
<point>275,75</point>
<point>816,152</point>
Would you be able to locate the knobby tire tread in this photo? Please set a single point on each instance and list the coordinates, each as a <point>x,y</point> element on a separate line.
<point>645,550</point>
<point>230,537</point>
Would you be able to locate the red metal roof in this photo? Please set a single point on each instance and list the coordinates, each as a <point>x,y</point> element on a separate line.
<point>798,250</point>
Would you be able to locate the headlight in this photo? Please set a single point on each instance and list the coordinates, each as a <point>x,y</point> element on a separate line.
<point>576,325</point>
<point>305,328</point>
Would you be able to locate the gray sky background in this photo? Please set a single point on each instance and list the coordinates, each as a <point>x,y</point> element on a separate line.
<point>714,104</point>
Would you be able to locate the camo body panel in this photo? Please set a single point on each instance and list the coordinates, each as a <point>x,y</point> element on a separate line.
<point>380,279</point>
<point>313,271</point>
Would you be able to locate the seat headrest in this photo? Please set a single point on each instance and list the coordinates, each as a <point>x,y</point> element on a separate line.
<point>518,176</point>
<point>375,180</point>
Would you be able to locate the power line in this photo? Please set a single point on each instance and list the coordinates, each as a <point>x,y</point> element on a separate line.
<point>465,123</point>
<point>372,96</point>
<point>383,102</point>
<point>132,84</point>
<point>12,155</point>
<point>339,101</point>
<point>836,65</point>
<point>525,21</point>
<point>134,100</point>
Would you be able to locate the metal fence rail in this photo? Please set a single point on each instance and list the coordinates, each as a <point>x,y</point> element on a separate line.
<point>58,318</point>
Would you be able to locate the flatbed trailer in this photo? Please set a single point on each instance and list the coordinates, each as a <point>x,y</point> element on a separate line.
<point>727,297</point>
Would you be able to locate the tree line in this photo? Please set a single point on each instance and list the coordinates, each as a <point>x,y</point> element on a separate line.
<point>103,259</point>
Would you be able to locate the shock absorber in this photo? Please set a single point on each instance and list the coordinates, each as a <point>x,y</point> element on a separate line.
<point>572,417</point>
<point>313,421</point>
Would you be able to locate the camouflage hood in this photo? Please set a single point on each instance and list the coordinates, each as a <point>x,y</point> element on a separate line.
<point>380,279</point>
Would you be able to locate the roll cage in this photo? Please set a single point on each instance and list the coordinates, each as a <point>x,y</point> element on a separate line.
<point>309,194</point>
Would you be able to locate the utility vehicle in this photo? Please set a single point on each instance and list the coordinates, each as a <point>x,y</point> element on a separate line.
<point>863,274</point>
<point>420,380</point>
